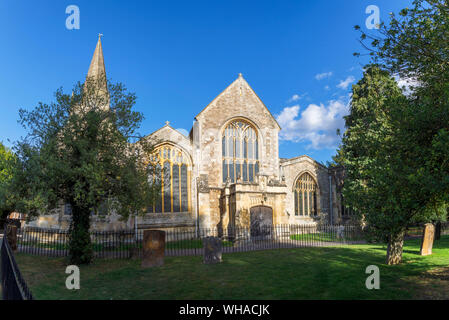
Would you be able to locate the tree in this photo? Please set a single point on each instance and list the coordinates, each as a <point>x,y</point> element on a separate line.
<point>7,159</point>
<point>78,151</point>
<point>375,183</point>
<point>397,153</point>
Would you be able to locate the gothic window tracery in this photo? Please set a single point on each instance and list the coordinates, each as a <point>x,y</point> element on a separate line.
<point>173,174</point>
<point>305,194</point>
<point>240,151</point>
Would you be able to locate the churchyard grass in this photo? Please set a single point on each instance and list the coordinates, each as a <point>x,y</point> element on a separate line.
<point>321,237</point>
<point>303,273</point>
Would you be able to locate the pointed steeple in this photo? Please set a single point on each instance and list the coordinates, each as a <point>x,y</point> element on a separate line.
<point>97,72</point>
<point>97,68</point>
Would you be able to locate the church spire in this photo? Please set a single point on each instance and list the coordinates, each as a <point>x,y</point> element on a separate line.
<point>97,69</point>
<point>97,72</point>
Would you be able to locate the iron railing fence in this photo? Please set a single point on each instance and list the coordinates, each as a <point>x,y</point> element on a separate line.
<point>14,286</point>
<point>417,230</point>
<point>124,244</point>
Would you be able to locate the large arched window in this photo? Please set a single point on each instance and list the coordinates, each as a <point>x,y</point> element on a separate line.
<point>305,194</point>
<point>240,150</point>
<point>173,174</point>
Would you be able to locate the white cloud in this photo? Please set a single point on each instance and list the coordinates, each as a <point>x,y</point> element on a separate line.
<point>344,84</point>
<point>321,76</point>
<point>407,84</point>
<point>296,97</point>
<point>317,124</point>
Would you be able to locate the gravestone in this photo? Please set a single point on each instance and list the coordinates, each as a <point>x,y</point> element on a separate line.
<point>212,250</point>
<point>153,248</point>
<point>11,236</point>
<point>340,232</point>
<point>427,239</point>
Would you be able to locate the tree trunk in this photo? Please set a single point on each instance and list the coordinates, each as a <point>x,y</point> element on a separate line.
<point>438,230</point>
<point>80,246</point>
<point>394,249</point>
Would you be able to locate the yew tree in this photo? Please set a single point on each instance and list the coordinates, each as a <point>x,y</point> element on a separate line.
<point>396,148</point>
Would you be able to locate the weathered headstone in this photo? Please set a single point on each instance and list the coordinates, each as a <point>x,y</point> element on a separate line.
<point>427,239</point>
<point>212,250</point>
<point>340,232</point>
<point>11,235</point>
<point>153,248</point>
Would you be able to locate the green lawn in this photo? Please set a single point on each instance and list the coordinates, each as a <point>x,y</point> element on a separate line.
<point>306,273</point>
<point>321,236</point>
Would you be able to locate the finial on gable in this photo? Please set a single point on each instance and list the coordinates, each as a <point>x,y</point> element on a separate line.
<point>167,123</point>
<point>240,75</point>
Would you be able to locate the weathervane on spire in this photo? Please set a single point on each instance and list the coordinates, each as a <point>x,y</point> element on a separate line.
<point>100,35</point>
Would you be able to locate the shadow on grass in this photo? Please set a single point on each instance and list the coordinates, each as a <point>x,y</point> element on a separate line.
<point>302,273</point>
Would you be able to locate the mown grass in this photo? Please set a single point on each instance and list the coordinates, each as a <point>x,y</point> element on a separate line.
<point>303,273</point>
<point>321,236</point>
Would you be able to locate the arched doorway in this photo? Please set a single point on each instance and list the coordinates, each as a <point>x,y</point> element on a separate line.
<point>261,219</point>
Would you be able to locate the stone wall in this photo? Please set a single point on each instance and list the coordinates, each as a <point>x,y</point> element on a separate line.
<point>237,101</point>
<point>292,169</point>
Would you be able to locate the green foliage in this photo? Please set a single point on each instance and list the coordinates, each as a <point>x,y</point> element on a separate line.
<point>396,149</point>
<point>376,173</point>
<point>79,151</point>
<point>7,160</point>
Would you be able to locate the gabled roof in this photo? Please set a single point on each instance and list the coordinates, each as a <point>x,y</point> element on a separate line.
<point>241,80</point>
<point>167,126</point>
<point>300,158</point>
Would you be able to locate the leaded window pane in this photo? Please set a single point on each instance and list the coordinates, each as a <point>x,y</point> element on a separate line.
<point>240,157</point>
<point>223,145</point>
<point>245,149</point>
<point>225,171</point>
<point>307,201</point>
<point>250,149</point>
<point>184,189</point>
<point>238,171</point>
<point>167,189</point>
<point>296,202</point>
<point>238,142</point>
<point>245,171</point>
<point>176,191</point>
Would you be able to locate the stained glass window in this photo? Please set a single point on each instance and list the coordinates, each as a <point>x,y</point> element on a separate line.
<point>174,179</point>
<point>240,153</point>
<point>305,194</point>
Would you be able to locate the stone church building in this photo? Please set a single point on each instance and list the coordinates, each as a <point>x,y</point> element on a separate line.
<point>227,172</point>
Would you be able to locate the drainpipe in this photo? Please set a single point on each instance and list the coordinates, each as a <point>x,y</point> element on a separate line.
<point>330,201</point>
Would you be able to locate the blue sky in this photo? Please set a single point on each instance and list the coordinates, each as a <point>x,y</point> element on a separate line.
<point>178,56</point>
